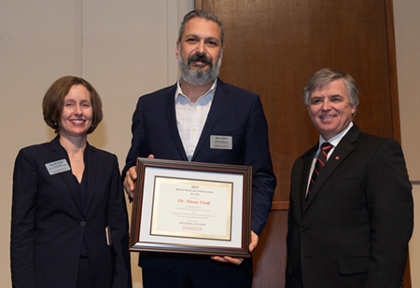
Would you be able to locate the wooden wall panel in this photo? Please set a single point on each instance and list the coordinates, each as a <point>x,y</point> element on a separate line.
<point>269,257</point>
<point>273,47</point>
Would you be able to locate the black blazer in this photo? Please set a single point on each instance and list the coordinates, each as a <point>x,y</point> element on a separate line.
<point>49,225</point>
<point>235,113</point>
<point>354,231</point>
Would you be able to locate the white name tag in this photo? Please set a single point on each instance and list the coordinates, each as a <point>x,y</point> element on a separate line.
<point>221,142</point>
<point>56,167</point>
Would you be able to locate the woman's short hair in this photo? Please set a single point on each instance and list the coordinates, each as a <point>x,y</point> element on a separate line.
<point>53,102</point>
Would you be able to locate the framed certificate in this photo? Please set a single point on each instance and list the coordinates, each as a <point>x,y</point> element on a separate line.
<point>191,207</point>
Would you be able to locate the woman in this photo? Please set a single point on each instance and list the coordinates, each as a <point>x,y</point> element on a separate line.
<point>66,194</point>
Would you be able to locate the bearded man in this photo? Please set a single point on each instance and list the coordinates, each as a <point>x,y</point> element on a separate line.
<point>182,122</point>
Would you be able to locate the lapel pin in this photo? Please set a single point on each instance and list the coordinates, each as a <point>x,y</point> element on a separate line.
<point>337,158</point>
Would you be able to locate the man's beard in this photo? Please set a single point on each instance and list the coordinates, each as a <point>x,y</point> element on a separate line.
<point>198,76</point>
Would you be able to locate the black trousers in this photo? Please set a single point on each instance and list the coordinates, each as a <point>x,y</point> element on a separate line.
<point>84,277</point>
<point>191,273</point>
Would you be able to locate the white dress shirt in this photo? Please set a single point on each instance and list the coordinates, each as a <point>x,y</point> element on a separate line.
<point>333,141</point>
<point>190,117</point>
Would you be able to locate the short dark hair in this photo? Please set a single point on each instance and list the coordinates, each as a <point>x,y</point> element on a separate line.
<point>201,14</point>
<point>53,102</point>
<point>327,75</point>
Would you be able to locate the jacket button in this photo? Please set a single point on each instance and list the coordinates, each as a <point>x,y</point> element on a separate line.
<point>82,223</point>
<point>302,228</point>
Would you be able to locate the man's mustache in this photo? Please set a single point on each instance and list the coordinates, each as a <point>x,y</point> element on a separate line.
<point>201,58</point>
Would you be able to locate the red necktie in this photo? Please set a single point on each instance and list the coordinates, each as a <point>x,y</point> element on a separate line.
<point>319,165</point>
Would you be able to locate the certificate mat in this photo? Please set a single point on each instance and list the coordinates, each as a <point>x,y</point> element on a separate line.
<point>191,207</point>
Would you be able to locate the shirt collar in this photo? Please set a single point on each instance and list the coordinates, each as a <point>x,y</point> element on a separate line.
<point>206,97</point>
<point>337,138</point>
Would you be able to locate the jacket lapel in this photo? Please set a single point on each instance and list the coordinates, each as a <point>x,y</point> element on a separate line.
<point>59,153</point>
<point>92,166</point>
<point>219,99</point>
<point>343,149</point>
<point>306,169</point>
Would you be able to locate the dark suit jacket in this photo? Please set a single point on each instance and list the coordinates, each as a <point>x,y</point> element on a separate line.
<point>49,226</point>
<point>355,228</point>
<point>234,112</point>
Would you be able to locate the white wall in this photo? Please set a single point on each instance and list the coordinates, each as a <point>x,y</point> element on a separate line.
<point>407,34</point>
<point>126,49</point>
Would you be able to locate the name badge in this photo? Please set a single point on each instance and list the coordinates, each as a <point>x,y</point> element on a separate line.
<point>56,167</point>
<point>221,142</point>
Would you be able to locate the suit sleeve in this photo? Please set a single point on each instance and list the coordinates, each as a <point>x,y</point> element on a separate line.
<point>138,143</point>
<point>390,206</point>
<point>257,155</point>
<point>118,221</point>
<point>24,201</point>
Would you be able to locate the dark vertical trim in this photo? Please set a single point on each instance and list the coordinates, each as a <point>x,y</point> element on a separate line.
<point>392,64</point>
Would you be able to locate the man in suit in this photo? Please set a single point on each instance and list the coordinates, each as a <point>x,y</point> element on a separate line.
<point>351,227</point>
<point>182,122</point>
